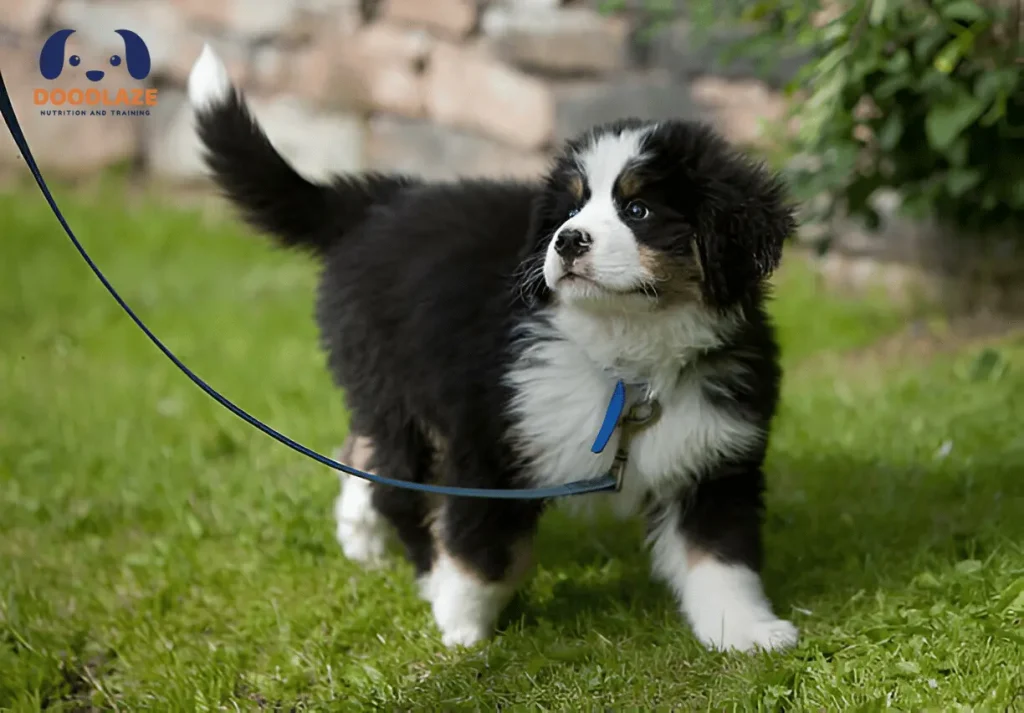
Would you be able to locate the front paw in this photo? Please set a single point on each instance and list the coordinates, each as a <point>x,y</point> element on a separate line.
<point>465,634</point>
<point>728,610</point>
<point>465,607</point>
<point>740,633</point>
<point>460,623</point>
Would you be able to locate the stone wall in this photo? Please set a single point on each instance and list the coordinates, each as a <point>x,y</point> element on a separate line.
<point>439,88</point>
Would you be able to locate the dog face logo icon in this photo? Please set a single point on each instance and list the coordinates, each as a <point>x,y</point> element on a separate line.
<point>136,57</point>
<point>114,99</point>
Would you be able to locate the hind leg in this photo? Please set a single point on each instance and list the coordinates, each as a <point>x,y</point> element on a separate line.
<point>361,529</point>
<point>403,452</point>
<point>365,510</point>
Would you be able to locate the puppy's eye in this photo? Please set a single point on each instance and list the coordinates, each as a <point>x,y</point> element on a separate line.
<point>573,211</point>
<point>74,60</point>
<point>115,60</point>
<point>637,210</point>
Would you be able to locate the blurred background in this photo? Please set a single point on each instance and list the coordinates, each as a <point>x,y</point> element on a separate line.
<point>438,87</point>
<point>898,122</point>
<point>157,553</point>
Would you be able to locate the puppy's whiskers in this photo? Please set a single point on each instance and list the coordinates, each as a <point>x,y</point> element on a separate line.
<point>527,276</point>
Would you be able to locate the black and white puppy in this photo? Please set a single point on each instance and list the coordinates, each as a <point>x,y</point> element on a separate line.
<point>478,329</point>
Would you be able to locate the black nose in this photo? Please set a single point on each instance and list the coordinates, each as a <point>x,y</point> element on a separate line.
<point>572,243</point>
<point>94,75</point>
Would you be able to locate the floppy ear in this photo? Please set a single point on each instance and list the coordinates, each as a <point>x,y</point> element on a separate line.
<point>51,58</point>
<point>136,54</point>
<point>740,235</point>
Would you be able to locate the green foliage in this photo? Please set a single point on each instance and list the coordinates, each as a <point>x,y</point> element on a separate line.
<point>653,15</point>
<point>924,97</point>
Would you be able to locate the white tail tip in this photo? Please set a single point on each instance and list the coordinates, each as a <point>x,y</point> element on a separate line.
<point>208,82</point>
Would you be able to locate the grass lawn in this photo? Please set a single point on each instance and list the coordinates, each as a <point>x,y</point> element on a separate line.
<point>157,553</point>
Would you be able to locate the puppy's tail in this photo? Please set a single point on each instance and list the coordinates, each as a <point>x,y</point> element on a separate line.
<point>273,196</point>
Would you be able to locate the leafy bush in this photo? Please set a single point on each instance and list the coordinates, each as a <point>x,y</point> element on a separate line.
<point>922,96</point>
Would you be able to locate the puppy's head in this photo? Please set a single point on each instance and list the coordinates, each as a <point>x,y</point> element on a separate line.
<point>644,215</point>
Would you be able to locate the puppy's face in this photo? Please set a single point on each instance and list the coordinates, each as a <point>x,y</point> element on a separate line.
<point>638,215</point>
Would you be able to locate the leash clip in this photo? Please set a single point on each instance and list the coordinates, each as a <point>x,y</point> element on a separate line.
<point>618,470</point>
<point>641,415</point>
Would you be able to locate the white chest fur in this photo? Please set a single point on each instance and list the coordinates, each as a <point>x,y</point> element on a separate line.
<point>564,382</point>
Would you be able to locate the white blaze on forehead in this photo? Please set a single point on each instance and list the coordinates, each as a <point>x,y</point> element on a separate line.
<point>605,158</point>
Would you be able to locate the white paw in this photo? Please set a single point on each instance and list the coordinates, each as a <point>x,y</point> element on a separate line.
<point>748,635</point>
<point>775,635</point>
<point>361,531</point>
<point>728,610</point>
<point>465,608</point>
<point>362,544</point>
<point>463,634</point>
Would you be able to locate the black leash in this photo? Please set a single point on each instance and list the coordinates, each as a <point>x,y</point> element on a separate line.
<point>612,418</point>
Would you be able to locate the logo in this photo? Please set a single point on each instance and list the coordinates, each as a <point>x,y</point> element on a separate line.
<point>96,100</point>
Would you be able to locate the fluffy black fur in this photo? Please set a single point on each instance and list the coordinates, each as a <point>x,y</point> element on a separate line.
<point>423,288</point>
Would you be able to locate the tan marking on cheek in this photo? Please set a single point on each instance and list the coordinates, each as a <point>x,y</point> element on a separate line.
<point>676,281</point>
<point>651,262</point>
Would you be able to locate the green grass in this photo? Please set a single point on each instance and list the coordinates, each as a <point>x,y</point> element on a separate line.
<point>157,553</point>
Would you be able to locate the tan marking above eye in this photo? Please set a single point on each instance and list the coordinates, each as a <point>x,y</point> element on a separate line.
<point>630,184</point>
<point>576,186</point>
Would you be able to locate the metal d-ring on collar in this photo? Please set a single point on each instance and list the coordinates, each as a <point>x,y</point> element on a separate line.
<point>643,414</point>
